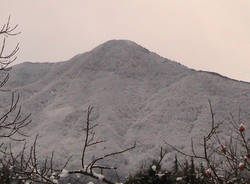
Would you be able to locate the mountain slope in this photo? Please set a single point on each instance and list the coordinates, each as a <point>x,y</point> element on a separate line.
<point>137,96</point>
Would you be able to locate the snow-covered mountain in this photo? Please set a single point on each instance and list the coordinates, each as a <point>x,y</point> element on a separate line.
<point>137,96</point>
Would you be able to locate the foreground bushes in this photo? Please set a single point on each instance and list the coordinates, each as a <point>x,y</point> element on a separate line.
<point>223,163</point>
<point>188,174</point>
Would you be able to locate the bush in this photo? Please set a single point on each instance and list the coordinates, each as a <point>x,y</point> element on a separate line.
<point>186,175</point>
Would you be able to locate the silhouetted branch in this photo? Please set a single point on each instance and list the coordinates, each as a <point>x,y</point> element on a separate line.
<point>88,169</point>
<point>7,59</point>
<point>232,155</point>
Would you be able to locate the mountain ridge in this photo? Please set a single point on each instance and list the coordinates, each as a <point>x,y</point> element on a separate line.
<point>125,43</point>
<point>137,96</point>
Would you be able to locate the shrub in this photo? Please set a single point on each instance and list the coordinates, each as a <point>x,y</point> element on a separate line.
<point>188,174</point>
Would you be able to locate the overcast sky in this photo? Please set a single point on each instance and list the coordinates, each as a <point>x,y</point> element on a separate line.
<point>211,35</point>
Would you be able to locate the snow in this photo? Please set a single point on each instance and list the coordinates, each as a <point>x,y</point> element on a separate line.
<point>64,173</point>
<point>136,97</point>
<point>153,167</point>
<point>99,176</point>
<point>178,178</point>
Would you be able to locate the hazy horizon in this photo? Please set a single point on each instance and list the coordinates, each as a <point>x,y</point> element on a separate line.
<point>204,35</point>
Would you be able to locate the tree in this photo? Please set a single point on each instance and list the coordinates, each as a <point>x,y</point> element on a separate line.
<point>9,127</point>
<point>28,168</point>
<point>227,162</point>
<point>12,121</point>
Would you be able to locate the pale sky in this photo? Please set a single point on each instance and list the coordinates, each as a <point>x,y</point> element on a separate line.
<point>212,35</point>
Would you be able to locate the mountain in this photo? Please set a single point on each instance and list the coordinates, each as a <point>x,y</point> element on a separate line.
<point>137,95</point>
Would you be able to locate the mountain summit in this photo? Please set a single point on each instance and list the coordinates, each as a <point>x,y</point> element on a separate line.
<point>127,59</point>
<point>137,95</point>
<point>121,44</point>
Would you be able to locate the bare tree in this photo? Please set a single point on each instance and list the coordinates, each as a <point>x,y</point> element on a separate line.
<point>12,120</point>
<point>92,168</point>
<point>228,162</point>
<point>5,31</point>
<point>28,168</point>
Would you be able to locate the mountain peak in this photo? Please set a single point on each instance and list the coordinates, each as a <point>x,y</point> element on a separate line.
<point>114,42</point>
<point>120,44</point>
<point>119,41</point>
<point>127,59</point>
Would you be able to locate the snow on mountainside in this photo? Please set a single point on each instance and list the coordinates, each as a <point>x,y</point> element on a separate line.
<point>137,96</point>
